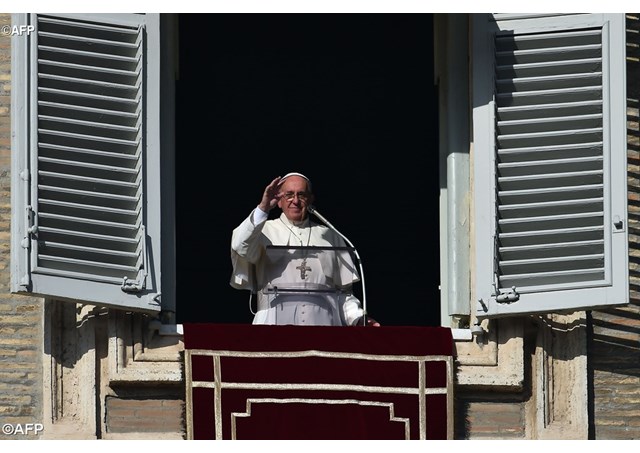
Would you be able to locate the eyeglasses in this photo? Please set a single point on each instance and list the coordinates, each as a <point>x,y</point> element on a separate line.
<point>289,196</point>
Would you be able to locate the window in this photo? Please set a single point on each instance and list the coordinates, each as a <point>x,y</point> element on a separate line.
<point>361,96</point>
<point>347,100</point>
<point>549,160</point>
<point>549,119</point>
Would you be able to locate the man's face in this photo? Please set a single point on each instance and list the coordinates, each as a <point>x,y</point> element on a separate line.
<point>294,198</point>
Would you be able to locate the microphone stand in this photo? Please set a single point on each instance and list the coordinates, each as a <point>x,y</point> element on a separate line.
<point>313,210</point>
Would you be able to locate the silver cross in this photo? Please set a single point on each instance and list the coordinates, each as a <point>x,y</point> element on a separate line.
<point>303,269</point>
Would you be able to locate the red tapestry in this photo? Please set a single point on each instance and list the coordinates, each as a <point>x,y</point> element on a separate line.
<point>307,382</point>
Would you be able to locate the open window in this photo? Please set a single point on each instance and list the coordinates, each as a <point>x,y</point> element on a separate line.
<point>347,99</point>
<point>92,175</point>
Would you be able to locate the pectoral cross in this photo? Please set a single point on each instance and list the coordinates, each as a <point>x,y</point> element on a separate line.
<point>303,269</point>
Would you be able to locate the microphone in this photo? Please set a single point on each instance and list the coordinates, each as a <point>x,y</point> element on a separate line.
<point>312,210</point>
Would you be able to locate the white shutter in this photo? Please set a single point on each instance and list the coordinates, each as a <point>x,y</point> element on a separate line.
<point>86,213</point>
<point>551,168</point>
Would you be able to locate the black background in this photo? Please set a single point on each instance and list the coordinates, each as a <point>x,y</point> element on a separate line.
<point>348,100</point>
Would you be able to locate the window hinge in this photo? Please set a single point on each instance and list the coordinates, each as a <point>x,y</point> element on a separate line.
<point>618,223</point>
<point>139,284</point>
<point>30,231</point>
<point>132,286</point>
<point>509,297</point>
<point>32,222</point>
<point>503,297</point>
<point>32,228</point>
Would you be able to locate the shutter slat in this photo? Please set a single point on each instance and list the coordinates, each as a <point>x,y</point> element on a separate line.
<point>101,225</point>
<point>543,280</point>
<point>524,41</point>
<point>566,218</point>
<point>84,250</point>
<point>549,138</point>
<point>539,181</point>
<point>541,110</point>
<point>557,263</point>
<point>553,232</point>
<point>510,197</point>
<point>568,174</point>
<point>546,54</point>
<point>582,94</point>
<point>127,185</point>
<point>547,67</point>
<point>123,241</point>
<point>67,121</point>
<point>72,263</point>
<point>546,94</point>
<point>550,249</point>
<point>529,210</point>
<point>572,107</point>
<point>549,205</point>
<point>103,209</point>
<point>88,245</point>
<point>100,199</point>
<point>530,125</point>
<point>550,166</point>
<point>90,27</point>
<point>92,152</point>
<point>87,193</point>
<point>504,194</point>
<point>85,39</point>
<point>551,162</point>
<point>549,109</point>
<point>68,93</point>
<point>546,222</point>
<point>84,109</point>
<point>542,237</point>
<point>102,277</point>
<point>89,165</point>
<point>79,82</point>
<point>92,55</point>
<point>107,71</point>
<point>94,138</point>
<point>537,83</point>
<point>556,151</point>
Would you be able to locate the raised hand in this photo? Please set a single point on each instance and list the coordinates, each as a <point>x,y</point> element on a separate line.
<point>270,196</point>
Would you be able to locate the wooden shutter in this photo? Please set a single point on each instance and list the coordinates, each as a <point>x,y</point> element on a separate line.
<point>86,212</point>
<point>555,209</point>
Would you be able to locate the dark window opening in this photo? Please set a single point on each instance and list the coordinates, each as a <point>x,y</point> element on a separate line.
<point>347,100</point>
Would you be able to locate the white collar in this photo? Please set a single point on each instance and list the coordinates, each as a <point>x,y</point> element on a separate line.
<point>304,224</point>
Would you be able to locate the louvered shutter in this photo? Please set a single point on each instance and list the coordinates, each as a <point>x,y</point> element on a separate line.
<point>550,163</point>
<point>88,231</point>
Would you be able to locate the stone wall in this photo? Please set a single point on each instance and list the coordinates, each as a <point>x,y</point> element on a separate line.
<point>615,342</point>
<point>151,415</point>
<point>20,317</point>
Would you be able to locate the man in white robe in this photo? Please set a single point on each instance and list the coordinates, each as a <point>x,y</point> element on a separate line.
<point>293,265</point>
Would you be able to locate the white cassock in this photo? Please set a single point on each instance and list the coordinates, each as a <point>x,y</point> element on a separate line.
<point>297,286</point>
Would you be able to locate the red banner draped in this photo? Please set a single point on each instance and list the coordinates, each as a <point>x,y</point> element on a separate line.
<point>306,382</point>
